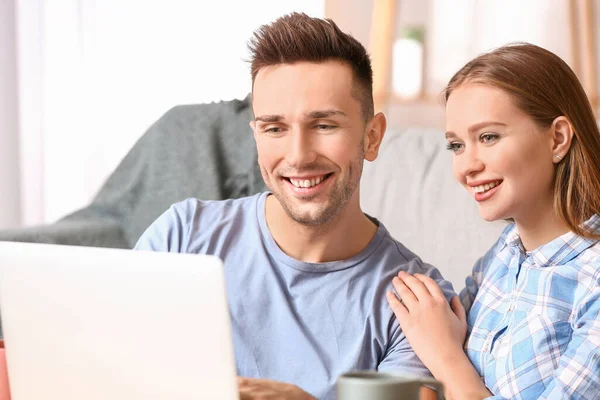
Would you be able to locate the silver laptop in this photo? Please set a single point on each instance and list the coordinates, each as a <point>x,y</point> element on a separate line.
<point>88,323</point>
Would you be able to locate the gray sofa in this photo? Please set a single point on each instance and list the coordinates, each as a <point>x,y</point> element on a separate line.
<point>207,151</point>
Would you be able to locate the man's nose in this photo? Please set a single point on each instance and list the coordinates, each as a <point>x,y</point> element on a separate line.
<point>301,148</point>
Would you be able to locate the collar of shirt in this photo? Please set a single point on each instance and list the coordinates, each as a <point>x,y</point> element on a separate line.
<point>558,251</point>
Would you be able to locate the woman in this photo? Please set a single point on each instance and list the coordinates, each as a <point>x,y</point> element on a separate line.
<point>527,147</point>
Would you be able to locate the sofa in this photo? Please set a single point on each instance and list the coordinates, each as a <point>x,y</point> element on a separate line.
<point>207,151</point>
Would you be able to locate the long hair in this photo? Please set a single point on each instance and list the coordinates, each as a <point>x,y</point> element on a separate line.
<point>297,37</point>
<point>543,86</point>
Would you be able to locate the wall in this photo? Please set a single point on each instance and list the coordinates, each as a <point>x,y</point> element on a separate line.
<point>94,75</point>
<point>455,32</point>
<point>10,210</point>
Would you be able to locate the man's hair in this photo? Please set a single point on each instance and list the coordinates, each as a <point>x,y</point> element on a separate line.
<point>297,37</point>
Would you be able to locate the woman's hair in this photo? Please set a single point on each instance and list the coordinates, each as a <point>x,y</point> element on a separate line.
<point>544,87</point>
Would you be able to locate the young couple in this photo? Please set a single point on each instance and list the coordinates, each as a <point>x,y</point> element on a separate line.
<point>311,278</point>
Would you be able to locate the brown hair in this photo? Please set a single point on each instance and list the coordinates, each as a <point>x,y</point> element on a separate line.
<point>544,87</point>
<point>297,37</point>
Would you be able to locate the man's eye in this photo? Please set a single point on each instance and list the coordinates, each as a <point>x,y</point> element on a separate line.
<point>488,137</point>
<point>273,129</point>
<point>454,146</point>
<point>324,127</point>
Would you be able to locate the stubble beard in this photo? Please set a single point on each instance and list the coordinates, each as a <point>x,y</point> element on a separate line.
<point>339,196</point>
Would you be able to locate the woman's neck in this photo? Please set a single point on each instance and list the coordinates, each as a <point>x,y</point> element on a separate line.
<point>540,228</point>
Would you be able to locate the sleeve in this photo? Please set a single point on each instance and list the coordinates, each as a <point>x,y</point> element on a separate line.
<point>400,356</point>
<point>169,233</point>
<point>473,282</point>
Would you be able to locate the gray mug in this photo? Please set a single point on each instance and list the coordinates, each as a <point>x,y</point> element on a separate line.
<point>372,385</point>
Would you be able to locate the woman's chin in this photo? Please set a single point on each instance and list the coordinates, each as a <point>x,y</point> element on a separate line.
<point>489,216</point>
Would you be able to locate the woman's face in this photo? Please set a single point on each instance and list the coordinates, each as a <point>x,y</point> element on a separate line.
<point>501,156</point>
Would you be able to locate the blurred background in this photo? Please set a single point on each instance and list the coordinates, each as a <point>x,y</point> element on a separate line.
<point>81,80</point>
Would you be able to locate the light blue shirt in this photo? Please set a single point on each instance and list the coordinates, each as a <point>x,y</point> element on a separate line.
<point>534,322</point>
<point>293,321</point>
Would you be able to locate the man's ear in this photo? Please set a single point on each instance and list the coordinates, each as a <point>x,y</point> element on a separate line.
<point>253,126</point>
<point>374,135</point>
<point>562,135</point>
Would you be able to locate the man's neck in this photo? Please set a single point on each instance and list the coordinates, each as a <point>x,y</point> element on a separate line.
<point>342,238</point>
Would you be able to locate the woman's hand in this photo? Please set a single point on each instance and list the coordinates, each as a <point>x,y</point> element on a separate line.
<point>435,330</point>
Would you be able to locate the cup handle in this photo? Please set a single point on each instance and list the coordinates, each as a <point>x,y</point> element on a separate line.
<point>439,387</point>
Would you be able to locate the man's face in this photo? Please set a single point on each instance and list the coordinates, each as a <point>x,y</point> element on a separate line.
<point>309,132</point>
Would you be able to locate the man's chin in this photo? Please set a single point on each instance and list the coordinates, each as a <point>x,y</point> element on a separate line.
<point>310,220</point>
<point>308,214</point>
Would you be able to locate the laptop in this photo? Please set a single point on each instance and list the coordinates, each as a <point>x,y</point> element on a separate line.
<point>90,323</point>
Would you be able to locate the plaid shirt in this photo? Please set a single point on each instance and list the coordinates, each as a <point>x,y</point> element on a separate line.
<point>534,317</point>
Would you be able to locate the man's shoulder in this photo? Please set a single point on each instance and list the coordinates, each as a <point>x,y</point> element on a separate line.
<point>395,256</point>
<point>390,246</point>
<point>200,217</point>
<point>189,225</point>
<point>193,207</point>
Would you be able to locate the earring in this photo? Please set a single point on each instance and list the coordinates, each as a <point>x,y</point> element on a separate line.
<point>557,156</point>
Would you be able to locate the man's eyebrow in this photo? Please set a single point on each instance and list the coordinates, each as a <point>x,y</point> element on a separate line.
<point>310,115</point>
<point>324,114</point>
<point>269,118</point>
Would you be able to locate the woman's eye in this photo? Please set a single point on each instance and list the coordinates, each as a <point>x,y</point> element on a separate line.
<point>488,137</point>
<point>454,146</point>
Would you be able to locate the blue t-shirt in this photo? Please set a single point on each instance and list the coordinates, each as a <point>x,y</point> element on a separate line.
<point>293,321</point>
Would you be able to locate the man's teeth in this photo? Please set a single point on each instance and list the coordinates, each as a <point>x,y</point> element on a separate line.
<point>306,183</point>
<point>486,187</point>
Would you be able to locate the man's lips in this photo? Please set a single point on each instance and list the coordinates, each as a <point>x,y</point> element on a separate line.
<point>307,184</point>
<point>306,180</point>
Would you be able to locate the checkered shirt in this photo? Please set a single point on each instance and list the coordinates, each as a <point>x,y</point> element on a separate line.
<point>534,317</point>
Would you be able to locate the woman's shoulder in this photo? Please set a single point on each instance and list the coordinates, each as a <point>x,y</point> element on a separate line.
<point>587,266</point>
<point>585,269</point>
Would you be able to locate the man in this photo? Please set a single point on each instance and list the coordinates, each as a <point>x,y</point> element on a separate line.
<point>306,269</point>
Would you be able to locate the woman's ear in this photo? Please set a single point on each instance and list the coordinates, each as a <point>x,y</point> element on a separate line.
<point>374,135</point>
<point>562,135</point>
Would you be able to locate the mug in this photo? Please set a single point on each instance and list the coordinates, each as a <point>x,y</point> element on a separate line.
<point>4,389</point>
<point>372,385</point>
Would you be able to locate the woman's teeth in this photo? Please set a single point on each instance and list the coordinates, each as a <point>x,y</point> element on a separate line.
<point>486,187</point>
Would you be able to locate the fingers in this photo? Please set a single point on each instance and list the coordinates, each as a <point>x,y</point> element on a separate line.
<point>458,310</point>
<point>431,285</point>
<point>405,293</point>
<point>417,287</point>
<point>252,388</point>
<point>397,307</point>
